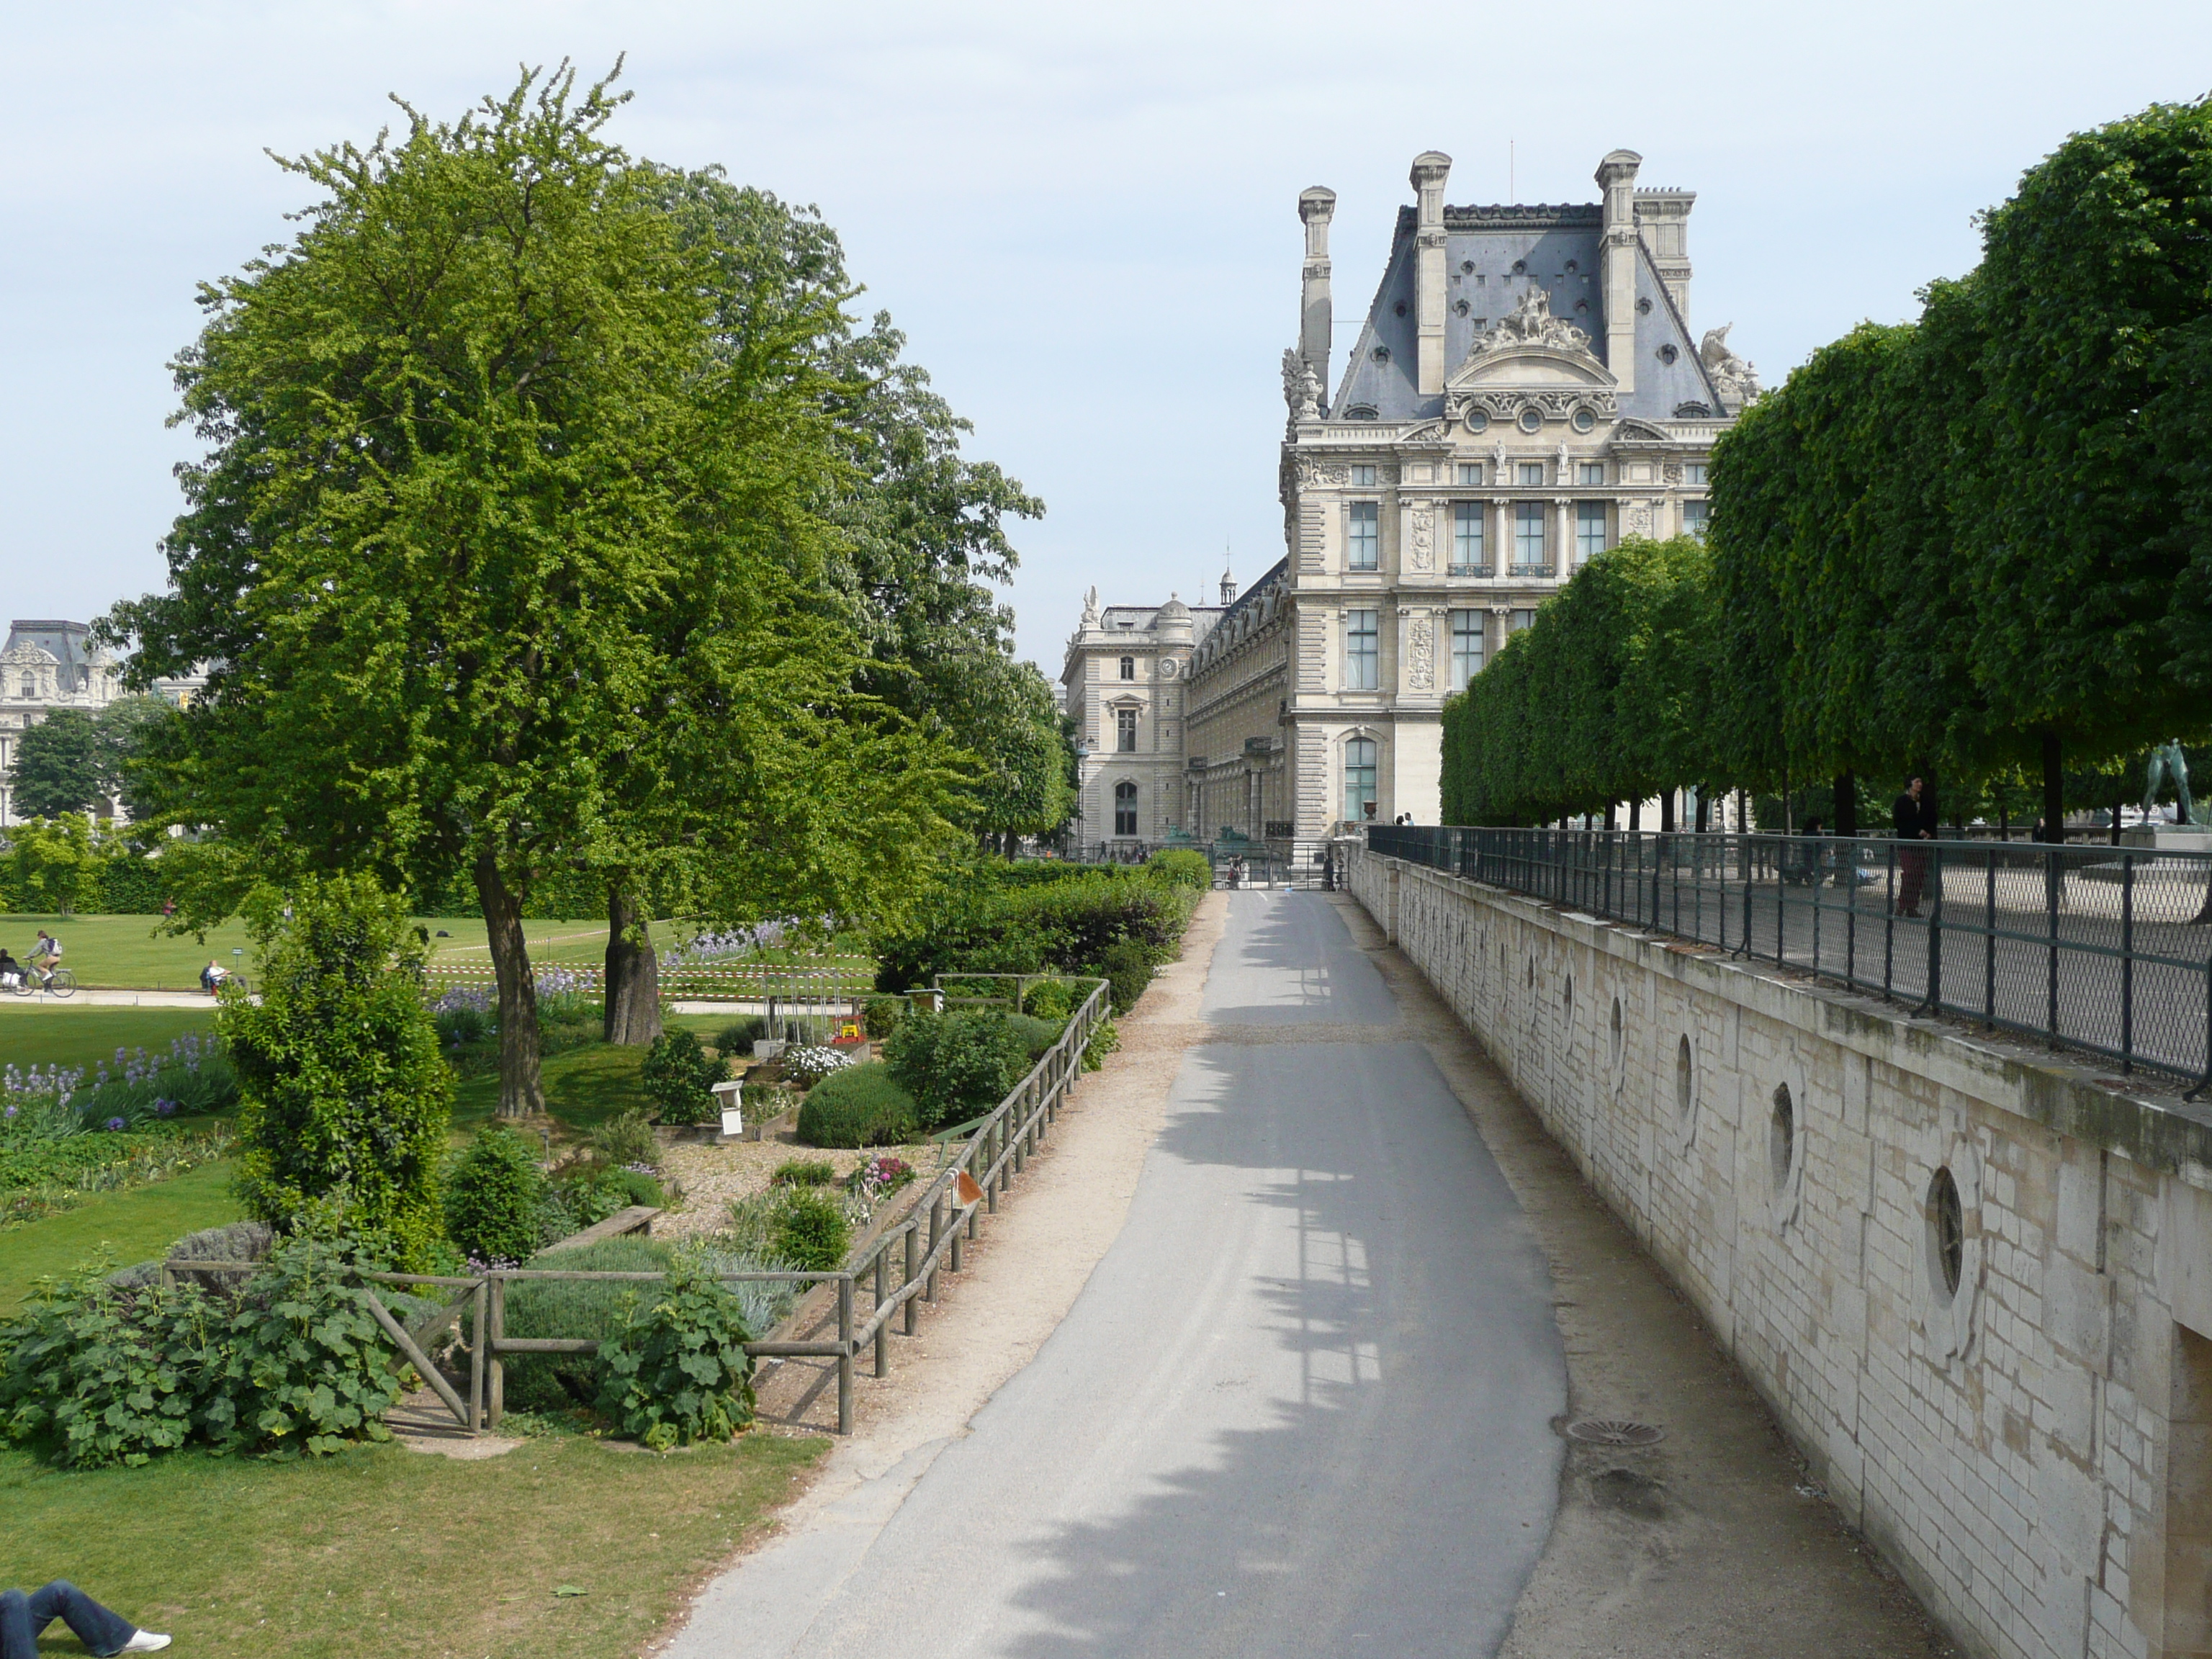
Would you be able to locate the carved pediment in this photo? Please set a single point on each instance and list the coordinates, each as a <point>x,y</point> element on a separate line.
<point>1639,432</point>
<point>1530,365</point>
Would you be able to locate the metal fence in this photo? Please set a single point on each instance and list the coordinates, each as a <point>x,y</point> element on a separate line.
<point>1274,862</point>
<point>2104,949</point>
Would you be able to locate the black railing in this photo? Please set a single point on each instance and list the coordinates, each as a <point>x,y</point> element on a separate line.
<point>2099,948</point>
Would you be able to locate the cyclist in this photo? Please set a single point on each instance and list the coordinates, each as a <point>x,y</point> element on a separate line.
<point>46,956</point>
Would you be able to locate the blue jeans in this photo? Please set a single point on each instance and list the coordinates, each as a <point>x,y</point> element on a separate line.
<point>23,1617</point>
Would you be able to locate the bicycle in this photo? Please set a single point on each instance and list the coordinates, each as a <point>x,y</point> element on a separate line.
<point>59,983</point>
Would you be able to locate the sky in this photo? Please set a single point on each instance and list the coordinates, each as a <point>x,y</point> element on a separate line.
<point>1084,217</point>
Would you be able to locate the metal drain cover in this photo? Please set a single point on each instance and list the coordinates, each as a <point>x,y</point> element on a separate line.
<point>1614,1431</point>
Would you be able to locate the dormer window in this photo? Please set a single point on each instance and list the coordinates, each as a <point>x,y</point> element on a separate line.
<point>1128,668</point>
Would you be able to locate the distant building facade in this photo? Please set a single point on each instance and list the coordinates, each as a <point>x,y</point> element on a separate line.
<point>48,664</point>
<point>1524,393</point>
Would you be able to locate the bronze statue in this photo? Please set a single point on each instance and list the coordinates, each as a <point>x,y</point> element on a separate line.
<point>2168,765</point>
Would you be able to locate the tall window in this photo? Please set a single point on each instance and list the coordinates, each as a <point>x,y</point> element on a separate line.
<point>1467,539</point>
<point>1466,647</point>
<point>1589,531</point>
<point>1125,808</point>
<point>1470,472</point>
<point>1528,535</point>
<point>1128,668</point>
<point>1693,474</point>
<point>1363,547</point>
<point>1362,650</point>
<point>1363,476</point>
<point>1593,472</point>
<point>1532,472</point>
<point>1519,620</point>
<point>1359,778</point>
<point>1694,518</point>
<point>1125,730</point>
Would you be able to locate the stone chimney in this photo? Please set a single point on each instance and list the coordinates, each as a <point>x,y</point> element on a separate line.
<point>1663,217</point>
<point>1315,208</point>
<point>1431,169</point>
<point>1616,177</point>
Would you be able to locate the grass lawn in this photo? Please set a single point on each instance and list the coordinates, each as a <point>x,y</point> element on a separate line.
<point>71,1034</point>
<point>137,1224</point>
<point>584,1087</point>
<point>383,1551</point>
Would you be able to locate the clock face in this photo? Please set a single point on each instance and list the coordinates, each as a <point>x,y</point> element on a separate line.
<point>1167,668</point>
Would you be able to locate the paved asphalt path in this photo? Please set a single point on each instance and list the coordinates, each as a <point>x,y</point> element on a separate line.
<point>1302,1408</point>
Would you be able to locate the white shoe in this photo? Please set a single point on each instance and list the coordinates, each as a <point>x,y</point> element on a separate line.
<point>145,1641</point>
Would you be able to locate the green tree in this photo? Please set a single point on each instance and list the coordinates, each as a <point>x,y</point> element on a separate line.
<point>54,864</point>
<point>59,766</point>
<point>508,559</point>
<point>2085,531</point>
<point>345,1095</point>
<point>130,729</point>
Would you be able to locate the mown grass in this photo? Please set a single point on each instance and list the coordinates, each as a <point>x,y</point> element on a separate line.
<point>584,1087</point>
<point>131,1225</point>
<point>73,1034</point>
<point>383,1551</point>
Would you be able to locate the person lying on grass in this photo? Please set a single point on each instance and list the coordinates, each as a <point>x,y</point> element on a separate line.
<point>23,1617</point>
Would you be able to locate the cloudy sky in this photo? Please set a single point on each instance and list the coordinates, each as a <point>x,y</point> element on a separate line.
<point>1083,216</point>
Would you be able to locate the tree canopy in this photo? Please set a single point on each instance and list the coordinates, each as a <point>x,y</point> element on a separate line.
<point>509,549</point>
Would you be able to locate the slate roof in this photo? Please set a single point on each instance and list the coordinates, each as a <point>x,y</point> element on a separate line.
<point>1508,248</point>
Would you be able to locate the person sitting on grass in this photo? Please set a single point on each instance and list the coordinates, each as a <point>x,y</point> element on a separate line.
<point>23,1617</point>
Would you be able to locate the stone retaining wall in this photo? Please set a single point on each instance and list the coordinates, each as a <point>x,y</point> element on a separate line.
<point>2032,1450</point>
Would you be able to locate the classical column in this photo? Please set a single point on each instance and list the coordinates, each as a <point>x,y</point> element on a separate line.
<point>1431,169</point>
<point>1566,543</point>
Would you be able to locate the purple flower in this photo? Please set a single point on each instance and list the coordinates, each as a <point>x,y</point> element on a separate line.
<point>117,1123</point>
<point>165,1107</point>
<point>11,1111</point>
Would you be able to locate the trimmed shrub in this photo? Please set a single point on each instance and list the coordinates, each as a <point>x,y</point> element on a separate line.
<point>495,1196</point>
<point>956,1066</point>
<point>879,1016</point>
<point>983,921</point>
<point>679,1078</point>
<point>1128,970</point>
<point>859,1106</point>
<point>1181,867</point>
<point>587,1311</point>
<point>1035,1034</point>
<point>1055,1000</point>
<point>346,1095</point>
<point>737,1037</point>
<point>809,1229</point>
<point>804,1172</point>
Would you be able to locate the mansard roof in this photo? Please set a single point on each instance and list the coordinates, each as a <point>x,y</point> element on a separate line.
<point>1493,255</point>
<point>66,642</point>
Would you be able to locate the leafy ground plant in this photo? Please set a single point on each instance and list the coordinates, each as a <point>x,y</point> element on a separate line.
<point>677,1371</point>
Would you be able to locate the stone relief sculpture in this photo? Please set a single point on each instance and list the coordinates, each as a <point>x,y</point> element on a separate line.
<point>1733,377</point>
<point>1421,655</point>
<point>1530,322</point>
<point>1301,388</point>
<point>1423,539</point>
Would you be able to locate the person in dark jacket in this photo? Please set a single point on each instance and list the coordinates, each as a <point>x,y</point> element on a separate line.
<point>1911,818</point>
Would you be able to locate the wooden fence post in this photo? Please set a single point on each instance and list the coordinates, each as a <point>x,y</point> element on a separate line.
<point>883,1325</point>
<point>936,1228</point>
<point>844,1353</point>
<point>496,1410</point>
<point>905,1278</point>
<point>477,1301</point>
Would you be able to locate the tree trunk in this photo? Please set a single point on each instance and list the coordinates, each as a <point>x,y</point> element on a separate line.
<point>1635,817</point>
<point>633,988</point>
<point>1704,812</point>
<point>2119,800</point>
<point>1742,814</point>
<point>521,1094</point>
<point>1847,805</point>
<point>1666,811</point>
<point>2054,790</point>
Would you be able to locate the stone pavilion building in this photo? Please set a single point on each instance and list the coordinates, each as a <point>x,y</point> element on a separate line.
<point>1524,392</point>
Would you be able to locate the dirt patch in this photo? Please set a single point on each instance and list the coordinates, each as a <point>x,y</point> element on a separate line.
<point>711,1176</point>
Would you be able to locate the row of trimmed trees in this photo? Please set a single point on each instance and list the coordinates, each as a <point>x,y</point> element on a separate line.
<point>1977,545</point>
<point>556,519</point>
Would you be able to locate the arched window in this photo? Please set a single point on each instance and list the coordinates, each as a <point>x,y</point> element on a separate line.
<point>1128,668</point>
<point>1125,808</point>
<point>1359,780</point>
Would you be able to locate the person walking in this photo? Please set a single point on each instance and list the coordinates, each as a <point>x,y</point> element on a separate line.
<point>1911,818</point>
<point>23,1617</point>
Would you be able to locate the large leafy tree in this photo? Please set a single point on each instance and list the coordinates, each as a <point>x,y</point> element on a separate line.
<point>498,543</point>
<point>2085,529</point>
<point>60,765</point>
